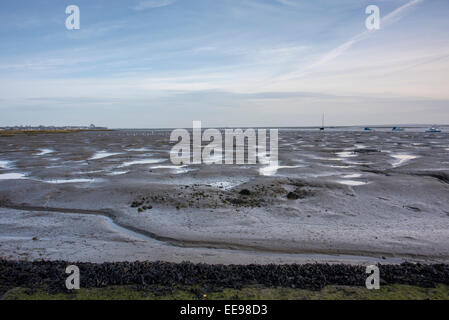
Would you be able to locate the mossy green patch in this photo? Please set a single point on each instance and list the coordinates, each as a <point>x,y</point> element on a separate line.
<point>390,292</point>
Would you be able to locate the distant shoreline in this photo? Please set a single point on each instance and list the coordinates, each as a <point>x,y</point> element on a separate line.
<point>386,126</point>
<point>4,133</point>
<point>81,128</point>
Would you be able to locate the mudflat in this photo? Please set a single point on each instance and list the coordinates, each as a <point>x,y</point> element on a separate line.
<point>339,196</point>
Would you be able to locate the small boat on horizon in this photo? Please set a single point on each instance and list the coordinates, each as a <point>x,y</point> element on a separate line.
<point>433,129</point>
<point>397,129</point>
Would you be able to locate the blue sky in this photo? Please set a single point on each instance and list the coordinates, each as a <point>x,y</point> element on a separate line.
<point>164,63</point>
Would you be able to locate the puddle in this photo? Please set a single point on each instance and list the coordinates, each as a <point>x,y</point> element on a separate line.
<point>61,181</point>
<point>225,185</point>
<point>14,238</point>
<point>87,172</point>
<point>352,176</point>
<point>402,158</point>
<point>144,161</point>
<point>12,176</point>
<point>314,157</point>
<point>138,149</point>
<point>360,163</point>
<point>4,164</point>
<point>103,154</point>
<point>346,154</point>
<point>319,175</point>
<point>352,183</point>
<point>117,173</point>
<point>340,167</point>
<point>44,152</point>
<point>174,169</point>
<point>272,169</point>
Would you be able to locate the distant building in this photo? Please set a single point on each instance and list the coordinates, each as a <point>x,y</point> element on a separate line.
<point>43,128</point>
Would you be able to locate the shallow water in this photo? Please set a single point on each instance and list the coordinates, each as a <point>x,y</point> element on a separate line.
<point>12,176</point>
<point>102,155</point>
<point>352,183</point>
<point>273,168</point>
<point>138,149</point>
<point>143,161</point>
<point>352,176</point>
<point>346,154</point>
<point>63,181</point>
<point>225,185</point>
<point>402,158</point>
<point>44,152</point>
<point>4,164</point>
<point>117,173</point>
<point>173,169</point>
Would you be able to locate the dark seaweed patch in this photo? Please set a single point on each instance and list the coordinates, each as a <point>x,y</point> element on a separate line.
<point>51,275</point>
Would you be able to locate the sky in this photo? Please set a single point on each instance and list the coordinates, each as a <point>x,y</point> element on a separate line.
<point>245,63</point>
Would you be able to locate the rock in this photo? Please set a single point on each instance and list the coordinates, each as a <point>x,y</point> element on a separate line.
<point>144,208</point>
<point>292,196</point>
<point>416,209</point>
<point>245,192</point>
<point>137,203</point>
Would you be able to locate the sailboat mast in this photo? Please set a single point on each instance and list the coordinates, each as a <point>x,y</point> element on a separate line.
<point>322,123</point>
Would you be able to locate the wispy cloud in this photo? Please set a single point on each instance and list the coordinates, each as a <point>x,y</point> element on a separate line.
<point>152,4</point>
<point>393,16</point>
<point>273,61</point>
<point>287,3</point>
<point>388,19</point>
<point>397,14</point>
